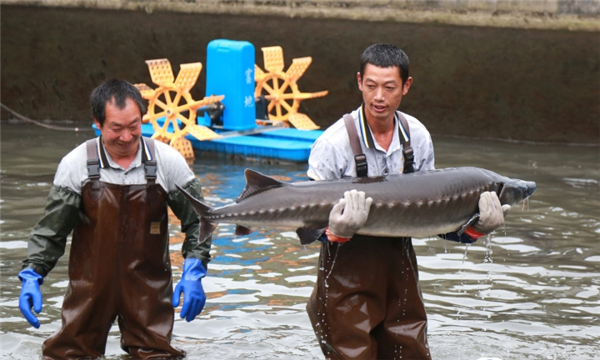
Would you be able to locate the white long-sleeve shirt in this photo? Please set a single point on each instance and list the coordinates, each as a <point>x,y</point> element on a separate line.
<point>332,157</point>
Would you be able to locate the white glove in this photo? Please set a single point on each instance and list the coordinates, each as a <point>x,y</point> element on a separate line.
<point>491,213</point>
<point>349,214</point>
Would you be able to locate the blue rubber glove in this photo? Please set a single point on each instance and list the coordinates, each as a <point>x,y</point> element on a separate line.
<point>31,296</point>
<point>191,287</point>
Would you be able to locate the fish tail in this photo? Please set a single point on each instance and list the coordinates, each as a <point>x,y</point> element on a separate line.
<point>202,209</point>
<point>206,227</point>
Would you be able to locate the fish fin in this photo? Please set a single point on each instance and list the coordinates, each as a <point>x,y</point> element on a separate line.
<point>257,183</point>
<point>308,236</point>
<point>469,222</point>
<point>242,230</point>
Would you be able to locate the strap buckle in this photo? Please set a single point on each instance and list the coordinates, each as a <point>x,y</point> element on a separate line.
<point>150,169</point>
<point>409,159</point>
<point>93,168</point>
<point>409,154</point>
<point>361,165</point>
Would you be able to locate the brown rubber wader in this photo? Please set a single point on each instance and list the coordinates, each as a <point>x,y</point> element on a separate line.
<point>119,267</point>
<point>367,303</point>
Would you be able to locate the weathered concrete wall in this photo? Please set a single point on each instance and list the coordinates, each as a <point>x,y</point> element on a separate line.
<point>511,83</point>
<point>528,14</point>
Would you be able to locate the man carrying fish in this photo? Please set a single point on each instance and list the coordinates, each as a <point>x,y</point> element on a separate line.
<point>113,192</point>
<point>367,303</point>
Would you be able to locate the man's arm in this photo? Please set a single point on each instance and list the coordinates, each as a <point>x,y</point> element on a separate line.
<point>196,254</point>
<point>190,223</point>
<point>326,162</point>
<point>490,217</point>
<point>47,243</point>
<point>48,238</point>
<point>173,170</point>
<point>423,146</point>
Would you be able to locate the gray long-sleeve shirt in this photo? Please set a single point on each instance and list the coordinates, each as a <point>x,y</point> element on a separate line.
<point>47,240</point>
<point>171,169</point>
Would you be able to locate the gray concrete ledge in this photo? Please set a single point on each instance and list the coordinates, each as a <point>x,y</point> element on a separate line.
<point>576,15</point>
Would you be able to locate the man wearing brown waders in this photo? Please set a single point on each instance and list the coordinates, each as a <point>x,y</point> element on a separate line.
<point>367,303</point>
<point>113,192</point>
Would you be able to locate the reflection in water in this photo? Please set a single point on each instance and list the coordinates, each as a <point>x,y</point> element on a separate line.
<point>531,290</point>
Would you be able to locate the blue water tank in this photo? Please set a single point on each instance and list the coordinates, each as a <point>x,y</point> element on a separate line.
<point>230,72</point>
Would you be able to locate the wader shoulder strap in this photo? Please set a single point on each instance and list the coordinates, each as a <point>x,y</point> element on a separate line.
<point>407,151</point>
<point>148,159</point>
<point>359,157</point>
<point>93,164</point>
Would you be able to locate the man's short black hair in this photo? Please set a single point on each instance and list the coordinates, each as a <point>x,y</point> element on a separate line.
<point>120,91</point>
<point>385,55</point>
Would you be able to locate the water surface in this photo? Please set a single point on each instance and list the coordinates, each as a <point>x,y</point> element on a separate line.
<point>529,291</point>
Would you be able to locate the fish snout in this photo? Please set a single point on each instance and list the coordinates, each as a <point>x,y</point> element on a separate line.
<point>531,188</point>
<point>515,191</point>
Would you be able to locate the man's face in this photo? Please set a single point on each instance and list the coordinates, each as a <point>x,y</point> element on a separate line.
<point>382,90</point>
<point>121,130</point>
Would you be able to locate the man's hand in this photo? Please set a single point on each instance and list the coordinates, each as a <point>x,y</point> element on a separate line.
<point>348,216</point>
<point>31,296</point>
<point>491,213</point>
<point>190,285</point>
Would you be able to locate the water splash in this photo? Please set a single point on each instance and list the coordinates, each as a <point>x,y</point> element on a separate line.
<point>337,249</point>
<point>488,250</point>
<point>465,254</point>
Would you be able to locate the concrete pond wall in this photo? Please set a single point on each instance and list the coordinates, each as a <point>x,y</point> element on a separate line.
<point>517,73</point>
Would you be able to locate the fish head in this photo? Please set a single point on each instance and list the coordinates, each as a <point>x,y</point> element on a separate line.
<point>513,191</point>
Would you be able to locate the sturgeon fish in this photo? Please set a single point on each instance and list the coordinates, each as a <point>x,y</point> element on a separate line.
<point>420,204</point>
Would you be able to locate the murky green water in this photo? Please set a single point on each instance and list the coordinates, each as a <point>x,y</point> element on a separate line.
<point>531,291</point>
